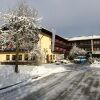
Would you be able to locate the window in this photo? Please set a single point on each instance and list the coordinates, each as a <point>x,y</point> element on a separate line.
<point>97,42</point>
<point>50,57</point>
<point>7,57</point>
<point>98,49</point>
<point>54,57</point>
<point>94,42</point>
<point>26,57</point>
<point>13,57</point>
<point>20,57</point>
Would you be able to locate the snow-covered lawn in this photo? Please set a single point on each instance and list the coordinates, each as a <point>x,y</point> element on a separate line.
<point>9,77</point>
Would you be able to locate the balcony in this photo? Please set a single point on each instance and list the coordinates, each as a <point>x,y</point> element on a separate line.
<point>60,50</point>
<point>96,45</point>
<point>57,42</point>
<point>61,46</point>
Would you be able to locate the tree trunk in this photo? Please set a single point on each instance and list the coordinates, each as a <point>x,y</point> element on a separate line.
<point>16,68</point>
<point>17,55</point>
<point>16,61</point>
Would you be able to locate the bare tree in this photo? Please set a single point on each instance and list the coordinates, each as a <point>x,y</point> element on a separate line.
<point>23,28</point>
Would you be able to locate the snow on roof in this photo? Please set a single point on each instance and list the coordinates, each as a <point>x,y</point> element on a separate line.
<point>84,38</point>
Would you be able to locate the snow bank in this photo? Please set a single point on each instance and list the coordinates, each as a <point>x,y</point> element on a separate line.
<point>45,70</point>
<point>96,64</point>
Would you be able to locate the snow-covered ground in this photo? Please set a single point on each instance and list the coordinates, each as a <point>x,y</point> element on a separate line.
<point>9,77</point>
<point>96,64</point>
<point>50,81</point>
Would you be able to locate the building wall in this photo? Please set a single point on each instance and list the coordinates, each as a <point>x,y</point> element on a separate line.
<point>60,45</point>
<point>3,56</point>
<point>45,42</point>
<point>45,46</point>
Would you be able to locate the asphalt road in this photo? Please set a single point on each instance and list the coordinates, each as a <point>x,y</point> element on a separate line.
<point>79,83</point>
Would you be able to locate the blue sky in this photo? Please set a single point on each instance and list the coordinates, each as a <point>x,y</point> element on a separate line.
<point>68,17</point>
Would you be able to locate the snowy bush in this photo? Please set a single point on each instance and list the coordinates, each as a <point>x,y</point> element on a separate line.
<point>76,51</point>
<point>35,56</point>
<point>90,60</point>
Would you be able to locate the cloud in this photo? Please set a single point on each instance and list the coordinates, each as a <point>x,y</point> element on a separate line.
<point>68,17</point>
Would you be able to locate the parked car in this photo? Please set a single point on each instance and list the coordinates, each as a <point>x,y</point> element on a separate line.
<point>80,59</point>
<point>63,61</point>
<point>57,62</point>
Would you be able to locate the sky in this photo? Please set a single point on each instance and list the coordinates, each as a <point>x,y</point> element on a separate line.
<point>69,18</point>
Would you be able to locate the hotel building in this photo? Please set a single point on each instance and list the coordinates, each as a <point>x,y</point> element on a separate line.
<point>89,43</point>
<point>54,47</point>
